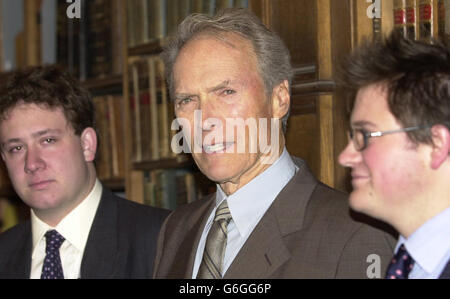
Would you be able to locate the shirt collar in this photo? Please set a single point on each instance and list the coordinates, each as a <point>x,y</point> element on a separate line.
<point>429,244</point>
<point>76,225</point>
<point>248,204</point>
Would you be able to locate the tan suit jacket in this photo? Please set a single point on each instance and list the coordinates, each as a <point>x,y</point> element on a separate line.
<point>306,233</point>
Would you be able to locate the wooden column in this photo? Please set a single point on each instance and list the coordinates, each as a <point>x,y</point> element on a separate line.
<point>32,32</point>
<point>325,101</point>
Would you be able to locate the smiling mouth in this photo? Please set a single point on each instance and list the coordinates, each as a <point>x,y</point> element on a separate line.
<point>217,148</point>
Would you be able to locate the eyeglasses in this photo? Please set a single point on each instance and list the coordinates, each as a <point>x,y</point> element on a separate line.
<point>361,137</point>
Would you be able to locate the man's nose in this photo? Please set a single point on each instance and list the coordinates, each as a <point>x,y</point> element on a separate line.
<point>33,160</point>
<point>349,156</point>
<point>208,113</point>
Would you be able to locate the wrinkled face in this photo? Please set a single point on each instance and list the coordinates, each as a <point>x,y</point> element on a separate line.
<point>222,80</point>
<point>45,159</point>
<point>387,176</point>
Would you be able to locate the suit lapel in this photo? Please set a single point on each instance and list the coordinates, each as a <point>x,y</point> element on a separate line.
<point>262,254</point>
<point>101,252</point>
<point>265,250</point>
<point>446,273</point>
<point>183,265</point>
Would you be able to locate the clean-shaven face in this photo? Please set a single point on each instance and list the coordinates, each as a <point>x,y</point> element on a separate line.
<point>44,158</point>
<point>387,176</point>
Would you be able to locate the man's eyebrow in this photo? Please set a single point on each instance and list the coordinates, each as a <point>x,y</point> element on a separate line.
<point>34,135</point>
<point>178,96</point>
<point>219,86</point>
<point>362,123</point>
<point>211,89</point>
<point>45,132</point>
<point>9,141</point>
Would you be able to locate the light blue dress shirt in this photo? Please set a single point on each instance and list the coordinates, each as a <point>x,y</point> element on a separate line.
<point>247,206</point>
<point>429,246</point>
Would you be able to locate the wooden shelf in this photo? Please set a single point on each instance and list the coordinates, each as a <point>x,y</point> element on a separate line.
<point>170,163</point>
<point>151,48</point>
<point>104,85</point>
<point>115,184</point>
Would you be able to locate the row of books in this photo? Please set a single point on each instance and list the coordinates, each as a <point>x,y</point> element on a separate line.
<point>169,188</point>
<point>152,20</point>
<point>151,114</point>
<point>90,47</point>
<point>109,161</point>
<point>422,19</point>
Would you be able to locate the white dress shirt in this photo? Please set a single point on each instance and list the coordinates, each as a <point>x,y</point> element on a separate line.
<point>247,206</point>
<point>429,246</point>
<point>74,228</point>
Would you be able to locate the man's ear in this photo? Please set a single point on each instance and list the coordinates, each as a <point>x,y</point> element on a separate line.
<point>440,135</point>
<point>281,100</point>
<point>89,144</point>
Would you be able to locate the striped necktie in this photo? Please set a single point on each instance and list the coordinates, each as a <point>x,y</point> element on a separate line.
<point>216,242</point>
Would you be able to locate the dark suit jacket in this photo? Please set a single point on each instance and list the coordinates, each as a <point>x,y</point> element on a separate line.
<point>306,233</point>
<point>446,272</point>
<point>121,243</point>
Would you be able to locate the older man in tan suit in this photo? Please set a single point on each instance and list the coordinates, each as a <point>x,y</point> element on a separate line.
<point>270,218</point>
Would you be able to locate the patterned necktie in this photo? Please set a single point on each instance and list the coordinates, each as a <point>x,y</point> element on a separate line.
<point>212,262</point>
<point>52,268</point>
<point>401,265</point>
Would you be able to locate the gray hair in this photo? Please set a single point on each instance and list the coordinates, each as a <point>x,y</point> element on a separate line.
<point>272,54</point>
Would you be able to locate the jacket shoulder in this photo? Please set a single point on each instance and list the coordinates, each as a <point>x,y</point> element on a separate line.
<point>329,207</point>
<point>10,239</point>
<point>140,213</point>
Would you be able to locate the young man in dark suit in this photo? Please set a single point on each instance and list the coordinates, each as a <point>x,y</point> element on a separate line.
<point>270,218</point>
<point>78,228</point>
<point>399,148</point>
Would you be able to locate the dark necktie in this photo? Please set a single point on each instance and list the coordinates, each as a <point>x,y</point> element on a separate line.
<point>216,242</point>
<point>401,265</point>
<point>52,268</point>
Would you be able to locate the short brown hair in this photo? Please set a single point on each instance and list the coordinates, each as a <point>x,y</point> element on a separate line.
<point>51,87</point>
<point>272,54</point>
<point>416,75</point>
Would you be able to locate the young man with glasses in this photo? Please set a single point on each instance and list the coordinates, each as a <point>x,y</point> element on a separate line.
<point>399,148</point>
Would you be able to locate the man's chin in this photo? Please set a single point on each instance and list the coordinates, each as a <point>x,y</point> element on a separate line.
<point>216,173</point>
<point>362,201</point>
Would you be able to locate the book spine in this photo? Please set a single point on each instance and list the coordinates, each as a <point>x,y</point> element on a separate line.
<point>400,16</point>
<point>411,19</point>
<point>377,34</point>
<point>441,19</point>
<point>426,20</point>
<point>136,110</point>
<point>103,159</point>
<point>164,115</point>
<point>153,109</point>
<point>447,18</point>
